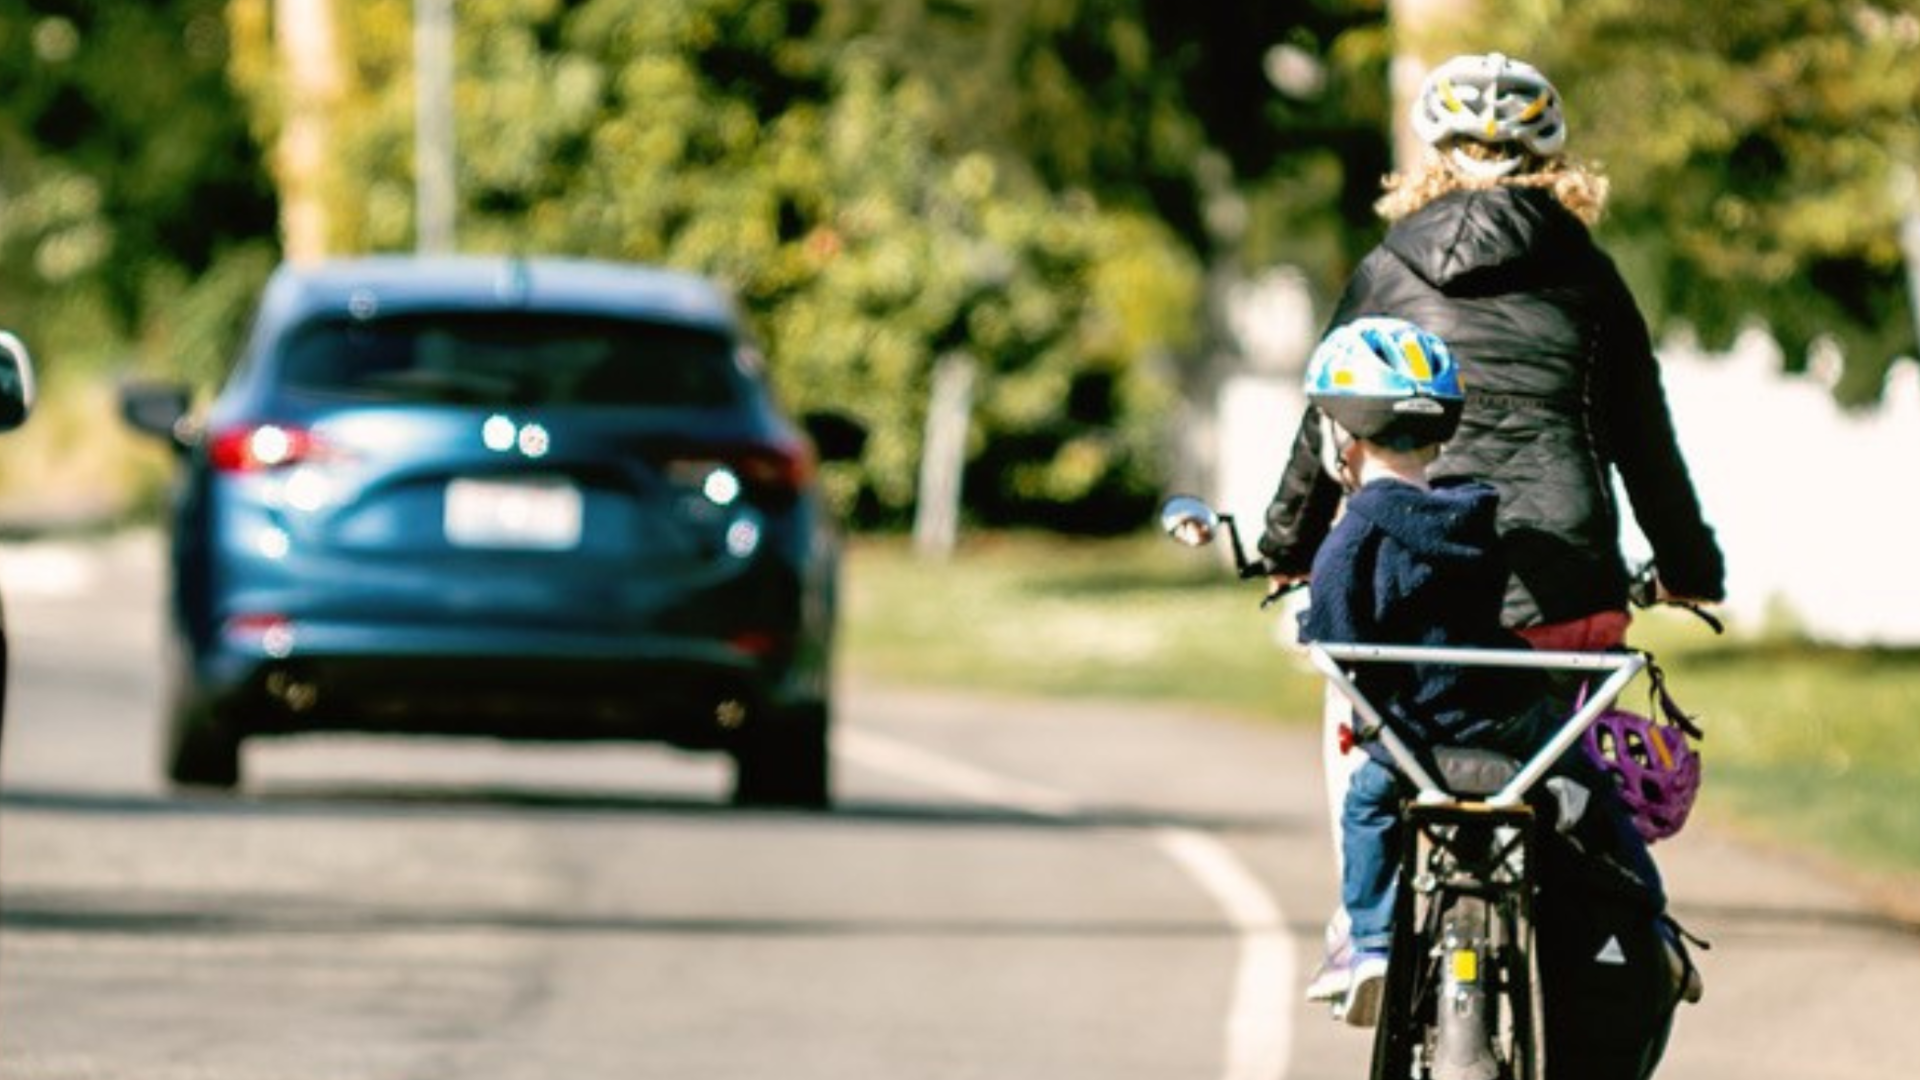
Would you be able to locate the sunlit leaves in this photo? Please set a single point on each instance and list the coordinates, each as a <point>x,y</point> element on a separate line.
<point>1760,144</point>
<point>861,185</point>
<point>125,169</point>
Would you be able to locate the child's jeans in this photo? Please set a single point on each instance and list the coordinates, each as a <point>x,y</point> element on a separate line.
<point>1370,843</point>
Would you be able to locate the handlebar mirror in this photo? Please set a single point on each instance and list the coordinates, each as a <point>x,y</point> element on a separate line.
<point>1189,520</point>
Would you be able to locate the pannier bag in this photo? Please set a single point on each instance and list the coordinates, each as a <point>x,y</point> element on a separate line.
<point>1612,967</point>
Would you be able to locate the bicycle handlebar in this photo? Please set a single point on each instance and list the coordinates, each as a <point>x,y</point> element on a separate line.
<point>1643,591</point>
<point>1191,521</point>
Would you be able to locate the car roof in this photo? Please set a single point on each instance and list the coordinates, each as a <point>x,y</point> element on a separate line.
<point>367,286</point>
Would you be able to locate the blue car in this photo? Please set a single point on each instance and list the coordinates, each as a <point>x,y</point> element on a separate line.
<point>16,401</point>
<point>545,499</point>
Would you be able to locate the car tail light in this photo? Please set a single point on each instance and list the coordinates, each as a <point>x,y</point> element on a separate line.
<point>262,448</point>
<point>765,471</point>
<point>787,468</point>
<point>760,643</point>
<point>271,632</point>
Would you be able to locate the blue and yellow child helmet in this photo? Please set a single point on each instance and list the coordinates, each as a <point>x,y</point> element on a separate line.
<point>1387,381</point>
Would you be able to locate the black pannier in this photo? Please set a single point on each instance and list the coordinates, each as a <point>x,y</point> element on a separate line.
<point>1611,966</point>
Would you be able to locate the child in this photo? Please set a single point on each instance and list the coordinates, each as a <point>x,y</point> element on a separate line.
<point>1409,563</point>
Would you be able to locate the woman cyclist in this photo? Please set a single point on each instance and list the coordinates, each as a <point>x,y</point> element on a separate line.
<point>1489,249</point>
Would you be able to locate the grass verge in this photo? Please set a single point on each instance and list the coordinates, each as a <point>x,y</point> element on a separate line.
<point>1807,746</point>
<point>1029,614</point>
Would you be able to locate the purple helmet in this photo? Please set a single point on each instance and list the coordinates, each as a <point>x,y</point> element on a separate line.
<point>1653,766</point>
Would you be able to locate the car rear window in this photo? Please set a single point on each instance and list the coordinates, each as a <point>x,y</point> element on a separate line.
<point>517,358</point>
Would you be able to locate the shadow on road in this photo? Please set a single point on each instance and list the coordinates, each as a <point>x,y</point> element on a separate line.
<point>228,914</point>
<point>368,801</point>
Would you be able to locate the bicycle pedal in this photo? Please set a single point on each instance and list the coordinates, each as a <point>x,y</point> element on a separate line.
<point>1361,1006</point>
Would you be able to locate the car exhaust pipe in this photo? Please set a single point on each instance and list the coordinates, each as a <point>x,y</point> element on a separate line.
<point>298,695</point>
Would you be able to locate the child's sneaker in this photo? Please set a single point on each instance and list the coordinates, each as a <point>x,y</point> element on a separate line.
<point>1330,979</point>
<point>1335,973</point>
<point>1366,985</point>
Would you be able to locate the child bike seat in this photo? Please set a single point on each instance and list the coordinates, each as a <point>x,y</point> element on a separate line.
<point>1471,772</point>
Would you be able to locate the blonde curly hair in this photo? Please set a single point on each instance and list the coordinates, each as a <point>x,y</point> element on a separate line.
<point>1579,186</point>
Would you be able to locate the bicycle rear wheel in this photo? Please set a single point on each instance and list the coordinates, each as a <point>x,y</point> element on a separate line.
<point>1518,1022</point>
<point>1400,1034</point>
<point>1462,1000</point>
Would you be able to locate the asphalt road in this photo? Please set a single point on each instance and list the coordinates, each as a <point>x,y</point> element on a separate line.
<point>1008,890</point>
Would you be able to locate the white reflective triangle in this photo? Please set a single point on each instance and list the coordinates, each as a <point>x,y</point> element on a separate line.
<point>1611,953</point>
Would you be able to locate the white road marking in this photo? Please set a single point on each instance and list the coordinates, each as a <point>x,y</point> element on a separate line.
<point>954,777</point>
<point>1259,1022</point>
<point>50,570</point>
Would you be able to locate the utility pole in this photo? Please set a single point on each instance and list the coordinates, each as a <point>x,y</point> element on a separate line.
<point>433,157</point>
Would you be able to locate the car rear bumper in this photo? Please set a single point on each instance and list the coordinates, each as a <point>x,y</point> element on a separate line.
<point>538,686</point>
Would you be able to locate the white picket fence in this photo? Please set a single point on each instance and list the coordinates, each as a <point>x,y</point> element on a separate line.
<point>1814,505</point>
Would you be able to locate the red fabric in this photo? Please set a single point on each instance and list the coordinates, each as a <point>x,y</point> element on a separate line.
<point>1605,630</point>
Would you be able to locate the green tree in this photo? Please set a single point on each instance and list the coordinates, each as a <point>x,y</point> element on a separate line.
<point>1256,132</point>
<point>800,161</point>
<point>1755,150</point>
<point>132,201</point>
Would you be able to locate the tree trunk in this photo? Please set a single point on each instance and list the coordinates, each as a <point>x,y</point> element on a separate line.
<point>433,155</point>
<point>1906,195</point>
<point>303,32</point>
<point>943,458</point>
<point>1425,32</point>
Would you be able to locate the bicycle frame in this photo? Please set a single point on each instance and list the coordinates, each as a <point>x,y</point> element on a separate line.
<point>1463,994</point>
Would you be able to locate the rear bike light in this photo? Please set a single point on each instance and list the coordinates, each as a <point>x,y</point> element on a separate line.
<point>262,448</point>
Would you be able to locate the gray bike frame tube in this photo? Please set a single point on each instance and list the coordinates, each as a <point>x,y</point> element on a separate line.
<point>1623,667</point>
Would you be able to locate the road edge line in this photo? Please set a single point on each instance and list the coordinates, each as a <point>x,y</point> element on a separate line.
<point>1259,1024</point>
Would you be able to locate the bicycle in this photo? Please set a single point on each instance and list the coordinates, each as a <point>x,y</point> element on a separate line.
<point>1463,995</point>
<point>1463,998</point>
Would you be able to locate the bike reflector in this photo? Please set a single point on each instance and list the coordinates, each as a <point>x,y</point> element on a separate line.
<point>1466,966</point>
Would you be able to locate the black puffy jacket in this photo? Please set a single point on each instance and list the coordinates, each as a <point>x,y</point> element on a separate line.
<point>1563,391</point>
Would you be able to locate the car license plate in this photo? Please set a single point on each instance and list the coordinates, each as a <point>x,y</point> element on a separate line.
<point>529,514</point>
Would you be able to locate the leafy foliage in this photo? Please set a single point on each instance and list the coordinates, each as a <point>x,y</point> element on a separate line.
<point>126,170</point>
<point>1059,188</point>
<point>796,153</point>
<point>1757,152</point>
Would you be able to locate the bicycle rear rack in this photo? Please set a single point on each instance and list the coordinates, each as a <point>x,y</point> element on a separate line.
<point>1621,667</point>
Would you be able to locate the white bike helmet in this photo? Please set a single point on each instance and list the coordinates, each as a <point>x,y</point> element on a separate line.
<point>1496,101</point>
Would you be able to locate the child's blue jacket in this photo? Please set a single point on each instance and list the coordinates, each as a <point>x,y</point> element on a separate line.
<point>1410,566</point>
